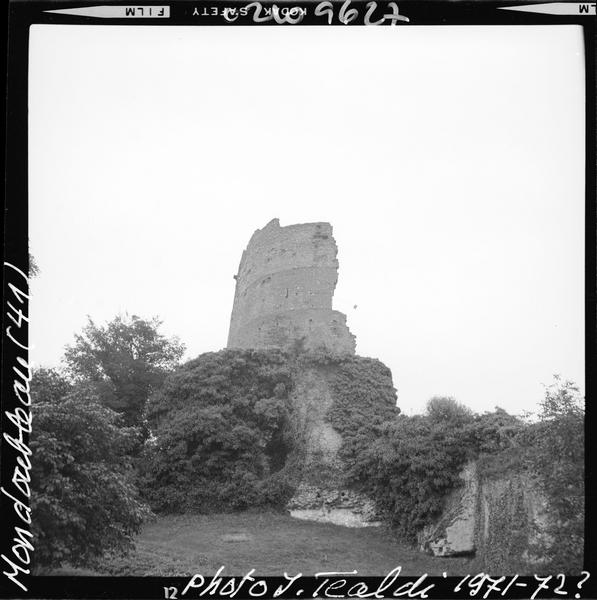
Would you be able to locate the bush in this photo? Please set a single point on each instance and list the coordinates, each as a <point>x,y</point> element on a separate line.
<point>83,502</point>
<point>446,409</point>
<point>219,426</point>
<point>417,460</point>
<point>554,450</point>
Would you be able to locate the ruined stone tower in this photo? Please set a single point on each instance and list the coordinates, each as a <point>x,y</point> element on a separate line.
<point>283,299</point>
<point>284,289</point>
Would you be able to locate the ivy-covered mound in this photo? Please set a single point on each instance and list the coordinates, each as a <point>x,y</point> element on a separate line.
<point>218,424</point>
<point>229,428</point>
<point>363,399</point>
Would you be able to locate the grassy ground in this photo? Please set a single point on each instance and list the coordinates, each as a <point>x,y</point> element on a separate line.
<point>271,544</point>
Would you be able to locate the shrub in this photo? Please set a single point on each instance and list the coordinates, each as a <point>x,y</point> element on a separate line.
<point>448,410</point>
<point>555,452</point>
<point>416,462</point>
<point>411,468</point>
<point>83,502</point>
<point>219,426</point>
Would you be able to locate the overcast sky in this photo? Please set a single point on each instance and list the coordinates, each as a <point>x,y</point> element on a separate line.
<point>450,162</point>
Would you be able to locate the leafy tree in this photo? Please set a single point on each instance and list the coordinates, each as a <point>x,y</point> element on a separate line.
<point>126,360</point>
<point>219,425</point>
<point>49,385</point>
<point>447,409</point>
<point>555,452</point>
<point>33,266</point>
<point>84,503</point>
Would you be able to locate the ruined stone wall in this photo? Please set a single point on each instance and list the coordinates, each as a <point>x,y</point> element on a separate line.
<point>496,519</point>
<point>323,494</point>
<point>284,289</point>
<point>512,516</point>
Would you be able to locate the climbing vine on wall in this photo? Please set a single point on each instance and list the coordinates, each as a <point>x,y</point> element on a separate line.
<point>547,454</point>
<point>364,399</point>
<point>506,543</point>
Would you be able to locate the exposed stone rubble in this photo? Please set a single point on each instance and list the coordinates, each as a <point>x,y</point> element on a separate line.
<point>341,507</point>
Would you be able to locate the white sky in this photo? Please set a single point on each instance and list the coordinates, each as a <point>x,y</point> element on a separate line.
<point>450,162</point>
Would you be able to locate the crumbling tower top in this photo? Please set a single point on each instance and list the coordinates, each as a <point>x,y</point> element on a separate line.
<point>284,290</point>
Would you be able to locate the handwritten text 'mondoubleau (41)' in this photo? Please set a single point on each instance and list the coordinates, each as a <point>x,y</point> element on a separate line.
<point>18,489</point>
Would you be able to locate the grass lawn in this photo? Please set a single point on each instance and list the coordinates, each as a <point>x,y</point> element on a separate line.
<point>271,543</point>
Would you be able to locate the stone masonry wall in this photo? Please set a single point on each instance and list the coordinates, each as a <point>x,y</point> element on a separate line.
<point>284,289</point>
<point>322,495</point>
<point>497,520</point>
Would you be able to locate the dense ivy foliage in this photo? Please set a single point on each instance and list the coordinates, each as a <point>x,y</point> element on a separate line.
<point>548,452</point>
<point>505,547</point>
<point>416,461</point>
<point>84,502</point>
<point>219,425</point>
<point>364,399</point>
